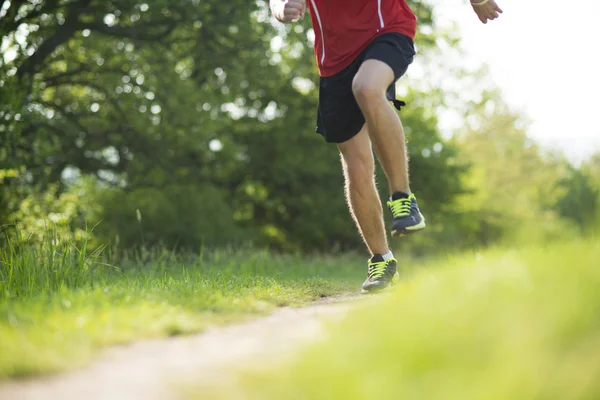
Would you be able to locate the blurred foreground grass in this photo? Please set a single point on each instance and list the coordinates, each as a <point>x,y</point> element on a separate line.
<point>60,303</point>
<point>496,325</point>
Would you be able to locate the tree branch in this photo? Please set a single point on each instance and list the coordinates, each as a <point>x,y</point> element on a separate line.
<point>60,36</point>
<point>48,7</point>
<point>140,32</point>
<point>95,86</point>
<point>57,79</point>
<point>8,21</point>
<point>71,117</point>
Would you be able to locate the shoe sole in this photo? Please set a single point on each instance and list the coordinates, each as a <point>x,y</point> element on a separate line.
<point>409,231</point>
<point>395,280</point>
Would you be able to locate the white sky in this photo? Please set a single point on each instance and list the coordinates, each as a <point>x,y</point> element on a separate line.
<point>545,57</point>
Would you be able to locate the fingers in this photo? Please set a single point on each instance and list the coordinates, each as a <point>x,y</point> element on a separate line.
<point>488,11</point>
<point>486,14</point>
<point>295,5</point>
<point>481,14</point>
<point>491,14</point>
<point>495,7</point>
<point>294,9</point>
<point>290,14</point>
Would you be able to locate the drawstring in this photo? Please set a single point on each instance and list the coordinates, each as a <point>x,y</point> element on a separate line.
<point>398,104</point>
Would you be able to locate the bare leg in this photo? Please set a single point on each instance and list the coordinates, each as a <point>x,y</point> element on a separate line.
<point>384,126</point>
<point>361,191</point>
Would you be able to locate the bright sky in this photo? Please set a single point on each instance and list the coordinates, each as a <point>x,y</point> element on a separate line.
<point>545,56</point>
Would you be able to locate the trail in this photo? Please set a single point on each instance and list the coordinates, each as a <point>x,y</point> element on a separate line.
<point>154,369</point>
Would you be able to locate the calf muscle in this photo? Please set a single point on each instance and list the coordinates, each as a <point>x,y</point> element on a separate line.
<point>384,125</point>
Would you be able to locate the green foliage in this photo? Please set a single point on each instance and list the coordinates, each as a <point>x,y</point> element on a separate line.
<point>591,168</point>
<point>9,197</point>
<point>580,199</point>
<point>494,325</point>
<point>30,268</point>
<point>63,213</point>
<point>185,217</point>
<point>513,185</point>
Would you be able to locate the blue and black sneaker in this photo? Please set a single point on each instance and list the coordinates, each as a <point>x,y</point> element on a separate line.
<point>406,217</point>
<point>381,274</point>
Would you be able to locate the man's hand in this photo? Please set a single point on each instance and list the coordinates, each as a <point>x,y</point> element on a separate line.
<point>486,10</point>
<point>288,10</point>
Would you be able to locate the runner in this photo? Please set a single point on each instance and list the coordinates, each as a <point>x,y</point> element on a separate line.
<point>362,48</point>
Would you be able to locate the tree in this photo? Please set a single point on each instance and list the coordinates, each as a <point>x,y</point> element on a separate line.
<point>580,199</point>
<point>514,184</point>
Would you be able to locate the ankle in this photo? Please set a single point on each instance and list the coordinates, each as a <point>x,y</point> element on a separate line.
<point>400,194</point>
<point>385,254</point>
<point>399,188</point>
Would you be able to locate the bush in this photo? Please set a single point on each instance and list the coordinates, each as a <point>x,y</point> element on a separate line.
<point>177,216</point>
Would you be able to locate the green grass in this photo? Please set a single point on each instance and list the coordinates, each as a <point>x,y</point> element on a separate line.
<point>504,324</point>
<point>59,304</point>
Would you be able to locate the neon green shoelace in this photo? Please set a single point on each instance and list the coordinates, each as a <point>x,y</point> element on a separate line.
<point>376,270</point>
<point>400,207</point>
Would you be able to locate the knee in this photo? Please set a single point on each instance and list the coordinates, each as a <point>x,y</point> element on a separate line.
<point>360,167</point>
<point>366,91</point>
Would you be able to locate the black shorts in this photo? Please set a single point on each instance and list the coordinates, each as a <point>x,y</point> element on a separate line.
<point>339,117</point>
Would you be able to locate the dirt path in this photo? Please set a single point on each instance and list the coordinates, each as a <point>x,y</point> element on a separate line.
<point>150,370</point>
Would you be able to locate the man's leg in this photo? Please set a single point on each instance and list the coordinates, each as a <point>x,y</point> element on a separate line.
<point>365,206</point>
<point>361,191</point>
<point>385,129</point>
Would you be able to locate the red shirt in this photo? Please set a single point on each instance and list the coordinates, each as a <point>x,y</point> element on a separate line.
<point>344,28</point>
